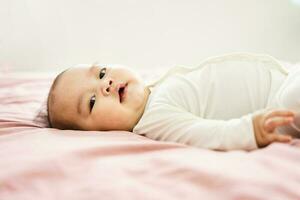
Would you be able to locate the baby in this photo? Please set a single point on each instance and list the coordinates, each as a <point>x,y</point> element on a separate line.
<point>228,102</point>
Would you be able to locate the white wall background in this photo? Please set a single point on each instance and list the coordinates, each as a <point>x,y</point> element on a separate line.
<point>55,34</point>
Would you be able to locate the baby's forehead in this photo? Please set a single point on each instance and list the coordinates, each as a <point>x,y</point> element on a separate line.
<point>75,70</point>
<point>69,82</point>
<point>56,97</point>
<point>73,73</point>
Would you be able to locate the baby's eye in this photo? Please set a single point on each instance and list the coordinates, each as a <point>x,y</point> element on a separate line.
<point>92,102</point>
<point>102,73</point>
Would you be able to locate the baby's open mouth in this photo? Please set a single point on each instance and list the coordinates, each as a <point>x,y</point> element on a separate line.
<point>121,92</point>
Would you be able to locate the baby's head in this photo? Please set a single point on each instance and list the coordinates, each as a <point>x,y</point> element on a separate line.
<point>97,98</point>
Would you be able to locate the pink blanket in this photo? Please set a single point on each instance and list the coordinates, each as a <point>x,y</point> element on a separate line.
<point>37,162</point>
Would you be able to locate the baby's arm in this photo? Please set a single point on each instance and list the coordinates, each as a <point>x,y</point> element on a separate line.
<point>265,122</point>
<point>170,123</point>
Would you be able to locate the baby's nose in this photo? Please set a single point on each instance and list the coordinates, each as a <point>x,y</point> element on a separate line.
<point>107,88</point>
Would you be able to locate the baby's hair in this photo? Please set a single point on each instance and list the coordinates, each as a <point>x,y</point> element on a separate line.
<point>56,80</point>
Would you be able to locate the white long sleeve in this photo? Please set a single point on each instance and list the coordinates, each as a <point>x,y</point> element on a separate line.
<point>172,124</point>
<point>211,106</point>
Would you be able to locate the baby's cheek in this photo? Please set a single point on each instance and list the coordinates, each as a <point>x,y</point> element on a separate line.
<point>137,95</point>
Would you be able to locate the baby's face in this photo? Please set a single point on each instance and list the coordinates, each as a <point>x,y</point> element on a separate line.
<point>99,98</point>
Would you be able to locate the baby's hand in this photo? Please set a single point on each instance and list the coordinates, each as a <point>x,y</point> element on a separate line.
<point>265,123</point>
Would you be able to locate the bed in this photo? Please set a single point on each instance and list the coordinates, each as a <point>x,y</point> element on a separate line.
<point>37,162</point>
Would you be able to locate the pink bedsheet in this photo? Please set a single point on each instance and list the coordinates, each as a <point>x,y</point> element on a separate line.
<point>37,162</point>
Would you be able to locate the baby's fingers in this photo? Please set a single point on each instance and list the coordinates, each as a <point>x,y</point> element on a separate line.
<point>279,113</point>
<point>279,138</point>
<point>271,123</point>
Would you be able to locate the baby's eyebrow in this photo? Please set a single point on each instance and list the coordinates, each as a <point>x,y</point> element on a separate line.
<point>92,69</point>
<point>79,105</point>
<point>88,73</point>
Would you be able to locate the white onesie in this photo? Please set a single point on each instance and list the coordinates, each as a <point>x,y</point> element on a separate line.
<point>211,106</point>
